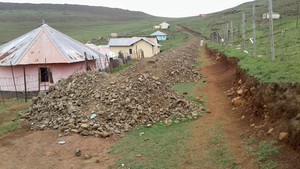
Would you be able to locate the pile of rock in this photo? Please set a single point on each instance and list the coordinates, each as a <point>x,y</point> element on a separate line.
<point>176,66</point>
<point>100,104</point>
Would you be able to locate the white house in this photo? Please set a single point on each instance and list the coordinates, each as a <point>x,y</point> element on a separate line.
<point>156,26</point>
<point>274,15</point>
<point>164,25</point>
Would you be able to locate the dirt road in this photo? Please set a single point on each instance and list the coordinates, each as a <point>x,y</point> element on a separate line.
<point>220,123</point>
<point>41,149</point>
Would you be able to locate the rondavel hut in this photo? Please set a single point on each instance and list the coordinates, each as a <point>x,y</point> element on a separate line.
<point>42,57</point>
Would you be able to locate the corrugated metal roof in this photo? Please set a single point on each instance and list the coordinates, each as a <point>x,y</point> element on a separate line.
<point>158,33</point>
<point>44,45</point>
<point>164,24</point>
<point>129,41</point>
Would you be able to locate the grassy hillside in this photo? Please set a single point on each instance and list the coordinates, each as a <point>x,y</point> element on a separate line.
<point>80,22</point>
<point>287,39</point>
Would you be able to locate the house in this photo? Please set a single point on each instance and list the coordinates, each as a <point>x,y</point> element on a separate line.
<point>160,35</point>
<point>135,47</point>
<point>156,26</point>
<point>274,15</point>
<point>164,25</point>
<point>103,49</point>
<point>42,57</point>
<point>114,35</point>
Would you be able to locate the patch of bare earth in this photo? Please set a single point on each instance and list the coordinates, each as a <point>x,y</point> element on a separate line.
<point>41,149</point>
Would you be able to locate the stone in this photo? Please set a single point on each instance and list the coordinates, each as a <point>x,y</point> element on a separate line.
<point>130,99</point>
<point>104,134</point>
<point>237,102</point>
<point>87,156</point>
<point>77,152</point>
<point>271,131</point>
<point>282,136</point>
<point>85,133</point>
<point>240,92</point>
<point>240,82</point>
<point>84,126</point>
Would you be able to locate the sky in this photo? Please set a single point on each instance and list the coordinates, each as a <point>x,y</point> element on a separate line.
<point>163,8</point>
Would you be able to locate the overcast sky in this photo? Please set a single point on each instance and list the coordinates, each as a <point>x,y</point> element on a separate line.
<point>165,8</point>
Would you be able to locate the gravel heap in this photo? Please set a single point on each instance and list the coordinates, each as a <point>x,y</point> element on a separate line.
<point>99,104</point>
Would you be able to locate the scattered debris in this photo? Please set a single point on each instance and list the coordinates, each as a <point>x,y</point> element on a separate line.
<point>62,142</point>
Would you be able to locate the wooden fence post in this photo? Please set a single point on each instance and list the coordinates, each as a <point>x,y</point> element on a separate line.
<point>243,31</point>
<point>25,85</point>
<point>13,75</point>
<point>254,31</point>
<point>271,30</point>
<point>2,97</point>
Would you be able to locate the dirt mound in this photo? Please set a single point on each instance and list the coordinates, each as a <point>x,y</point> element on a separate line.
<point>100,104</point>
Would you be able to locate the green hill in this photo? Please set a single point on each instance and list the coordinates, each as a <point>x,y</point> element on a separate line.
<point>80,22</point>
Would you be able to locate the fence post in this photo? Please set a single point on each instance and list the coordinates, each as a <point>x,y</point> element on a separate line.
<point>271,30</point>
<point>25,85</point>
<point>13,75</point>
<point>243,31</point>
<point>2,97</point>
<point>254,31</point>
<point>231,32</point>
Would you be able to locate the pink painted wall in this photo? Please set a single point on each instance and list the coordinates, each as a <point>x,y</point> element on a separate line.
<point>59,71</point>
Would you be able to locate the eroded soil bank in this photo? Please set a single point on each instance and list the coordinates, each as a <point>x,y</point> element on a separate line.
<point>272,110</point>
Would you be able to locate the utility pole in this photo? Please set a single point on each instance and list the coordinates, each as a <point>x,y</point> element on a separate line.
<point>271,30</point>
<point>254,31</point>
<point>231,32</point>
<point>243,31</point>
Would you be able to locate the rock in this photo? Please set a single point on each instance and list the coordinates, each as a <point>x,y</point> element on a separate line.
<point>237,102</point>
<point>271,131</point>
<point>104,134</point>
<point>133,98</point>
<point>240,92</point>
<point>84,126</point>
<point>85,133</point>
<point>87,156</point>
<point>138,155</point>
<point>282,136</point>
<point>77,152</point>
<point>240,82</point>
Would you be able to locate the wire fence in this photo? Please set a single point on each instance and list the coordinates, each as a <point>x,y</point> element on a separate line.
<point>22,83</point>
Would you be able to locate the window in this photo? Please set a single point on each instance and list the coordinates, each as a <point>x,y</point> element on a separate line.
<point>130,51</point>
<point>45,75</point>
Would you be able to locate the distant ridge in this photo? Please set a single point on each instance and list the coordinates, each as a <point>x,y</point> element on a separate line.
<point>68,9</point>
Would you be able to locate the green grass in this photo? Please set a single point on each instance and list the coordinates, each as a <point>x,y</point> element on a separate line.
<point>286,68</point>
<point>220,155</point>
<point>81,22</point>
<point>189,90</point>
<point>122,67</point>
<point>175,38</point>
<point>9,127</point>
<point>160,147</point>
<point>10,115</point>
<point>263,152</point>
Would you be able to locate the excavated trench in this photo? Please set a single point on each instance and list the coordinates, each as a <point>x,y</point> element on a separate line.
<point>270,107</point>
